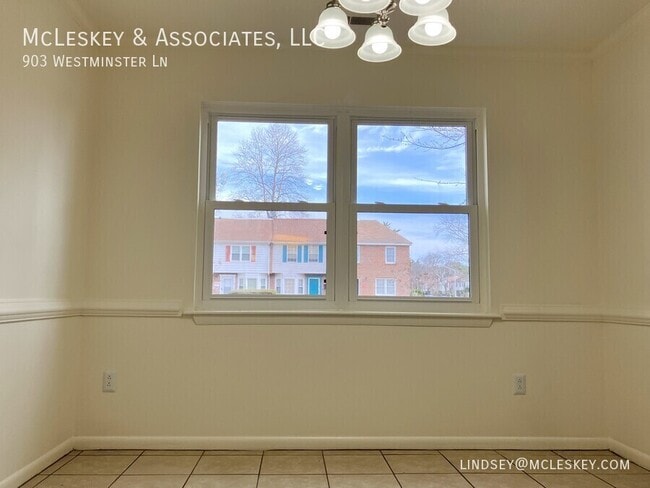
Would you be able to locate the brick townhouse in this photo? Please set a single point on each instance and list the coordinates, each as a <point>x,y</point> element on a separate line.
<point>287,256</point>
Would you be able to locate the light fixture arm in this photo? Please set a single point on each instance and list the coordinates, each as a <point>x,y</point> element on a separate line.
<point>384,16</point>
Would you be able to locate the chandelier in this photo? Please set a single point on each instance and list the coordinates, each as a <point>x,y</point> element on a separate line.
<point>333,31</point>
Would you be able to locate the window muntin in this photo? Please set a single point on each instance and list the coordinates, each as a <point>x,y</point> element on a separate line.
<point>469,204</point>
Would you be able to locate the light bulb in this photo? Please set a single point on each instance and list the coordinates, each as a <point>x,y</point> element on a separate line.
<point>422,2</point>
<point>333,31</point>
<point>379,47</point>
<point>432,29</point>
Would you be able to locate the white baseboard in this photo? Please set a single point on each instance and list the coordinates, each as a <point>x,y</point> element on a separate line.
<point>340,443</point>
<point>634,455</point>
<point>35,467</point>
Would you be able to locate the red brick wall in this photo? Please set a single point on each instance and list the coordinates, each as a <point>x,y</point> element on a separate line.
<point>373,265</point>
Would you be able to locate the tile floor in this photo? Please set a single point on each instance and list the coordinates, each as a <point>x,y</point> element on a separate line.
<point>324,469</point>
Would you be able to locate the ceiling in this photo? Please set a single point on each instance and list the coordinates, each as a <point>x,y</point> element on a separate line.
<point>540,25</point>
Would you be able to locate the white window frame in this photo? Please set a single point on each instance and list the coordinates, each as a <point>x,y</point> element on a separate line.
<point>341,297</point>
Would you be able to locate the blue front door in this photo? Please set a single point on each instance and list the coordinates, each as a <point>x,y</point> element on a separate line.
<point>314,286</point>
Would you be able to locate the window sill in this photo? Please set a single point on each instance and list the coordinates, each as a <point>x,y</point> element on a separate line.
<point>344,318</point>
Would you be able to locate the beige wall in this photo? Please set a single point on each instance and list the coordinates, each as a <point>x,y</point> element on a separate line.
<point>103,208</point>
<point>44,152</point>
<point>179,379</point>
<point>622,74</point>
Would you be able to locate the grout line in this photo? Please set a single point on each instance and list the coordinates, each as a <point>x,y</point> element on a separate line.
<point>390,467</point>
<point>193,469</point>
<point>58,460</point>
<point>327,476</point>
<point>259,470</point>
<point>125,469</point>
<point>457,470</point>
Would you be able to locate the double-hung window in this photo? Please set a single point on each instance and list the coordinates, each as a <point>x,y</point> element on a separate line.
<point>295,195</point>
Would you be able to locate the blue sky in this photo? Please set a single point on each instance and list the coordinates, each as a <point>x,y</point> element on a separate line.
<point>389,171</point>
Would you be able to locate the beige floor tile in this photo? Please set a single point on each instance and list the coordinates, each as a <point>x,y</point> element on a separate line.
<point>234,452</point>
<point>290,452</point>
<point>163,465</point>
<point>410,451</point>
<point>616,468</point>
<point>420,463</point>
<point>34,481</point>
<point>543,462</point>
<point>78,481</point>
<point>293,465</point>
<point>502,481</point>
<point>97,465</point>
<point>479,461</point>
<point>574,453</point>
<point>350,464</point>
<point>112,452</point>
<point>512,455</point>
<point>363,481</point>
<point>222,481</point>
<point>569,481</point>
<point>352,452</point>
<point>228,465</point>
<point>149,481</point>
<point>172,452</point>
<point>433,481</point>
<point>293,481</point>
<point>52,468</point>
<point>627,480</point>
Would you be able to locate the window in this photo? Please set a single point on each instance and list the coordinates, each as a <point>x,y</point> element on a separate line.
<point>240,253</point>
<point>289,286</point>
<point>390,255</point>
<point>292,254</point>
<point>410,196</point>
<point>385,287</point>
<point>313,254</point>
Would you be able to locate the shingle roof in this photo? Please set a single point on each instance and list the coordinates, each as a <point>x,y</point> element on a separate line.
<point>298,231</point>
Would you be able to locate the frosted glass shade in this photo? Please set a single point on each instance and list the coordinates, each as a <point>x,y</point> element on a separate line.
<point>433,30</point>
<point>423,7</point>
<point>333,30</point>
<point>365,6</point>
<point>379,45</point>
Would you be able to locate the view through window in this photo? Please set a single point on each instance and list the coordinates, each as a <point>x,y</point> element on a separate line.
<point>413,203</point>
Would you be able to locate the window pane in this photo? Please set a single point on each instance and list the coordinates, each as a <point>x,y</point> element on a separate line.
<point>431,255</point>
<point>271,161</point>
<point>254,253</point>
<point>406,164</point>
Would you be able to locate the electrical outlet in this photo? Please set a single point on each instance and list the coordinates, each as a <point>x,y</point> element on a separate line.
<point>108,384</point>
<point>519,384</point>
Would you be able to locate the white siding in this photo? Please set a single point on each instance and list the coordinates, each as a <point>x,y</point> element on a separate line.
<point>261,264</point>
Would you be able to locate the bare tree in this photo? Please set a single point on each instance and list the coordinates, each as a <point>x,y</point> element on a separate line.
<point>270,166</point>
<point>435,138</point>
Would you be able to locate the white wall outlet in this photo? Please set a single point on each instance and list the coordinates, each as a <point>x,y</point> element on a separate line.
<point>108,383</point>
<point>519,384</point>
